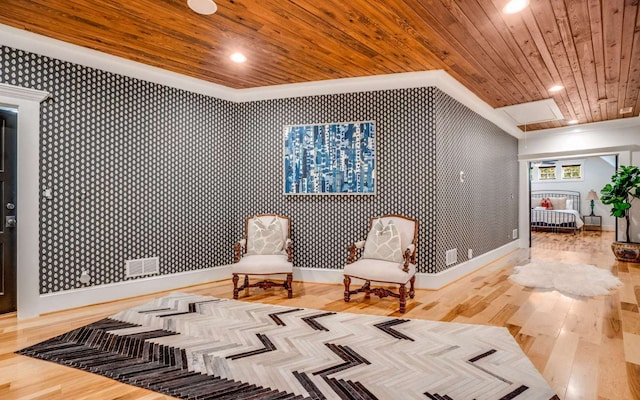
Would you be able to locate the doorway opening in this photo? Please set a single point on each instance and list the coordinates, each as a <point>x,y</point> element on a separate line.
<point>8,212</point>
<point>565,210</point>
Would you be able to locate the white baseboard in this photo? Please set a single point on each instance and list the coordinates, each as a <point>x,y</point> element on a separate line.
<point>121,290</point>
<point>423,280</point>
<point>318,275</point>
<point>443,278</point>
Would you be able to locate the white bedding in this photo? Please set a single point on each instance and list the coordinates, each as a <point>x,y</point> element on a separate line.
<point>556,217</point>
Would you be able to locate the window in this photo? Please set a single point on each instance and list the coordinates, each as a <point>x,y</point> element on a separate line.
<point>547,173</point>
<point>572,171</point>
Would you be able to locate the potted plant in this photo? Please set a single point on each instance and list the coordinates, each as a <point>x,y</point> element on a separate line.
<point>620,193</point>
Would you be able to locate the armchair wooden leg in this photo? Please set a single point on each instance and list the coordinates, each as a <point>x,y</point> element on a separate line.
<point>412,291</point>
<point>289,285</point>
<point>367,289</point>
<point>347,282</point>
<point>246,281</point>
<point>235,280</point>
<point>403,299</point>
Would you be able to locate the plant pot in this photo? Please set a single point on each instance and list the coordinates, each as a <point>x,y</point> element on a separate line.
<point>627,252</point>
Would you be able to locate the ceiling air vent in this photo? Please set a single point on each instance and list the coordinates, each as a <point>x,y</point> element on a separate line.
<point>142,266</point>
<point>626,110</point>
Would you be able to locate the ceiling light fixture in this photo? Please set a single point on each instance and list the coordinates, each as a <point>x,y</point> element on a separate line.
<point>205,7</point>
<point>515,6</point>
<point>556,88</point>
<point>572,122</point>
<point>238,57</point>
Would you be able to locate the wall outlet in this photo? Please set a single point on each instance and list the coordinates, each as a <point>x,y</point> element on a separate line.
<point>85,277</point>
<point>514,234</point>
<point>470,253</point>
<point>451,256</point>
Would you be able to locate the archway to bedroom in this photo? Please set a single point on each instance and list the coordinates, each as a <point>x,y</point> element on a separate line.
<point>565,211</point>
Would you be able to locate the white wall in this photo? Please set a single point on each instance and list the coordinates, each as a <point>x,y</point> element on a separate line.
<point>597,173</point>
<point>621,137</point>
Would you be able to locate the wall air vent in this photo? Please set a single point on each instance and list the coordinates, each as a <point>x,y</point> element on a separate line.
<point>142,266</point>
<point>451,256</point>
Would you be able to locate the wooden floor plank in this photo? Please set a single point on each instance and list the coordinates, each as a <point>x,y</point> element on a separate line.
<point>576,343</point>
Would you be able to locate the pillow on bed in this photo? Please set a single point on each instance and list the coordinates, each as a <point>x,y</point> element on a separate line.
<point>569,204</point>
<point>558,203</point>
<point>546,203</point>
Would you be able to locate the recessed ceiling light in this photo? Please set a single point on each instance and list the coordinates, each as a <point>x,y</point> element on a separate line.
<point>515,6</point>
<point>572,122</point>
<point>556,88</point>
<point>205,7</point>
<point>238,57</point>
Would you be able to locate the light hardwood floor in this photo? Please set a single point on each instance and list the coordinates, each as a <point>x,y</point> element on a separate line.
<point>576,343</point>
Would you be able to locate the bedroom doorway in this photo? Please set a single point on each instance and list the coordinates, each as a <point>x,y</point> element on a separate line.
<point>564,200</point>
<point>8,276</point>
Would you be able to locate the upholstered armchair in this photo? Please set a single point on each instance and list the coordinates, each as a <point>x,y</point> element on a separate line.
<point>265,249</point>
<point>388,257</point>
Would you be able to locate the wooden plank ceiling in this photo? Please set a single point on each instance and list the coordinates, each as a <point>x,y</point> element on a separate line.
<point>591,47</point>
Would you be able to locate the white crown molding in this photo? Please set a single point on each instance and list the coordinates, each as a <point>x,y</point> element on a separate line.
<point>43,45</point>
<point>46,46</point>
<point>49,47</point>
<point>18,92</point>
<point>436,78</point>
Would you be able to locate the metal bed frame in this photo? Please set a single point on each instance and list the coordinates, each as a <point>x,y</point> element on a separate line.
<point>553,221</point>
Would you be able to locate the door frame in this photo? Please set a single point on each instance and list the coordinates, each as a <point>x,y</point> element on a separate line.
<point>623,157</point>
<point>27,101</point>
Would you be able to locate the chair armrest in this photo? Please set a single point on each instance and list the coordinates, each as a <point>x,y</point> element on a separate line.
<point>353,249</point>
<point>237,249</point>
<point>409,257</point>
<point>288,247</point>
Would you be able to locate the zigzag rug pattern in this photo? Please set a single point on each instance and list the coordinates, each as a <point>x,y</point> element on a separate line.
<point>198,347</point>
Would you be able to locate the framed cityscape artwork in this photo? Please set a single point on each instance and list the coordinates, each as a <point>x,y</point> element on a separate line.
<point>336,158</point>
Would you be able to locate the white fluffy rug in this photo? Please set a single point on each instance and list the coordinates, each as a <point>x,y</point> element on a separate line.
<point>573,279</point>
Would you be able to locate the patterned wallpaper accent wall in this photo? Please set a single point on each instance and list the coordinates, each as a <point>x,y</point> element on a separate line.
<point>137,170</point>
<point>481,212</point>
<point>324,225</point>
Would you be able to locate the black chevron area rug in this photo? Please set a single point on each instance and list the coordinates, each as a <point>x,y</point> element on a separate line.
<point>197,347</point>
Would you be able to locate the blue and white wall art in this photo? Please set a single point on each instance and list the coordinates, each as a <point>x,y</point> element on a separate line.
<point>334,158</point>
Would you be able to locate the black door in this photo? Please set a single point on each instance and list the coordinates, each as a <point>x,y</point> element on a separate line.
<point>8,133</point>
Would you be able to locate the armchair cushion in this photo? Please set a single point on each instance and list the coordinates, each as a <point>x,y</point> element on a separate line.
<point>379,271</point>
<point>263,264</point>
<point>383,243</point>
<point>263,239</point>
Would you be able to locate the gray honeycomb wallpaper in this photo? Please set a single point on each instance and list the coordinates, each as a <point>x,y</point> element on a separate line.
<point>481,212</point>
<point>324,225</point>
<point>139,169</point>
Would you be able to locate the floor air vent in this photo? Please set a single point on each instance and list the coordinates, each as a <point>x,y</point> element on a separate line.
<point>142,266</point>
